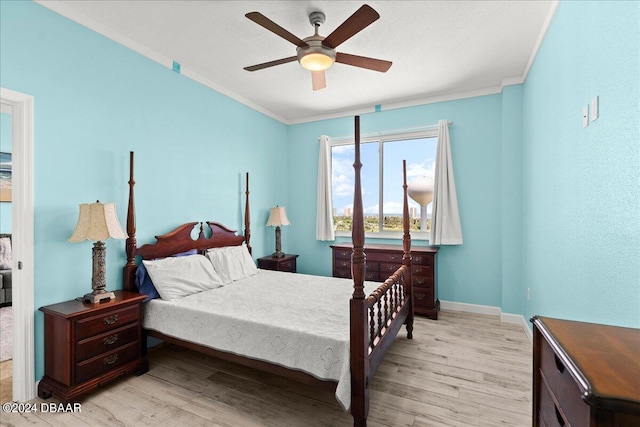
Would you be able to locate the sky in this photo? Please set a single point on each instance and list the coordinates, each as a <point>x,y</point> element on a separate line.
<point>420,155</point>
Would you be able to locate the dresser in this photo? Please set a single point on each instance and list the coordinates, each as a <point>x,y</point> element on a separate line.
<point>87,345</point>
<point>383,260</point>
<point>585,374</point>
<point>286,263</point>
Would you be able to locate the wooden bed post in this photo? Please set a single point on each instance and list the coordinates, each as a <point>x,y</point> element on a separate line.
<point>129,273</point>
<point>247,220</point>
<point>406,245</point>
<point>358,311</point>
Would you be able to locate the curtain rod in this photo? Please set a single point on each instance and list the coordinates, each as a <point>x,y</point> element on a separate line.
<point>389,132</point>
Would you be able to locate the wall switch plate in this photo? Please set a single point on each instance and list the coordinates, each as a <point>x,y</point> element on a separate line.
<point>585,116</point>
<point>594,108</point>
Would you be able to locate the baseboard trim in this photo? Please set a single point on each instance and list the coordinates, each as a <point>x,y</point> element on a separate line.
<point>489,310</point>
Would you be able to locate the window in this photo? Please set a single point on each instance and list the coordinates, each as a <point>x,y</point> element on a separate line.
<point>381,176</point>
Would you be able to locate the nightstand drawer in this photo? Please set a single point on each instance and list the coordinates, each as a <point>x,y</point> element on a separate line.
<point>563,387</point>
<point>288,266</point>
<point>95,325</point>
<point>106,362</point>
<point>91,347</point>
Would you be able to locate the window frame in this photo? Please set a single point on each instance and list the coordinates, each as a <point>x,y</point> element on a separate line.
<point>381,138</point>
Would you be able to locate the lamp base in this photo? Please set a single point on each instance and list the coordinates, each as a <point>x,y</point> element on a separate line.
<point>278,254</point>
<point>98,297</point>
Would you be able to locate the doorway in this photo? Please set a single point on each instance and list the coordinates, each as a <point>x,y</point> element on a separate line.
<point>20,107</point>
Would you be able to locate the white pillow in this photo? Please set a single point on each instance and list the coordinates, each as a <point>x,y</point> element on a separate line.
<point>232,262</point>
<point>176,277</point>
<point>5,253</point>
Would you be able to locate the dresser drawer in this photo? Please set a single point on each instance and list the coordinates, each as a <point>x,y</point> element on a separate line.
<point>421,270</point>
<point>106,362</point>
<point>95,325</point>
<point>342,263</point>
<point>424,281</point>
<point>421,259</point>
<point>91,347</point>
<point>388,269</point>
<point>342,272</point>
<point>563,387</point>
<point>391,257</point>
<point>549,414</point>
<point>343,254</point>
<point>423,297</point>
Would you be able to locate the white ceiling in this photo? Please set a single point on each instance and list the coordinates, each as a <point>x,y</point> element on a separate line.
<point>439,49</point>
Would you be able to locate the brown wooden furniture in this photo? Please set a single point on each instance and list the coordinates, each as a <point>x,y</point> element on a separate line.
<point>585,374</point>
<point>375,319</point>
<point>87,345</point>
<point>286,263</point>
<point>383,259</point>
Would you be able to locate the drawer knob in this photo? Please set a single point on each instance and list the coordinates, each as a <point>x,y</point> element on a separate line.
<point>559,417</point>
<point>419,297</point>
<point>110,339</point>
<point>110,320</point>
<point>417,259</point>
<point>559,364</point>
<point>111,359</point>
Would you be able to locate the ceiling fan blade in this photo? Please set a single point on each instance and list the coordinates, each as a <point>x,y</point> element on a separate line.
<point>318,80</point>
<point>271,63</point>
<point>357,22</point>
<point>265,22</point>
<point>363,62</point>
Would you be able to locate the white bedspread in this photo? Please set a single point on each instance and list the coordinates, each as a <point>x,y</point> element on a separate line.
<point>294,320</point>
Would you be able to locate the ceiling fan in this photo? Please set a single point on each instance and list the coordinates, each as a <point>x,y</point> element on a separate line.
<point>317,53</point>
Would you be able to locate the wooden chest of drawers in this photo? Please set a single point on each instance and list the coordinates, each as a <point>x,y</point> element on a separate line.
<point>383,260</point>
<point>87,345</point>
<point>585,374</point>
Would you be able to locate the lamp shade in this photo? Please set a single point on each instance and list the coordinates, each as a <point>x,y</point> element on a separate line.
<point>97,221</point>
<point>278,217</point>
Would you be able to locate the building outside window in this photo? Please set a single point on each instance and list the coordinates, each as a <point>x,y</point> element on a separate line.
<point>381,175</point>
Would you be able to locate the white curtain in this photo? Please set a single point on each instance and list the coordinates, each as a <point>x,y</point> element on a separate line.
<point>445,218</point>
<point>324,214</point>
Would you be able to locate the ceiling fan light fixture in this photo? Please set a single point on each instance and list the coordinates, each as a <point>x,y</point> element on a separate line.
<point>316,58</point>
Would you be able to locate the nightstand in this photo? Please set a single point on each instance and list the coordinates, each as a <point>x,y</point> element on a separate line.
<point>87,345</point>
<point>286,263</point>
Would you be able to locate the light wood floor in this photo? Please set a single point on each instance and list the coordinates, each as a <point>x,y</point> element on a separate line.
<point>6,381</point>
<point>462,370</point>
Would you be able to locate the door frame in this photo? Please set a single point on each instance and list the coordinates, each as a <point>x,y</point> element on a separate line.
<point>20,106</point>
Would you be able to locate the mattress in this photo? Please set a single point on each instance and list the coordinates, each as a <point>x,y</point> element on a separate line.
<point>297,321</point>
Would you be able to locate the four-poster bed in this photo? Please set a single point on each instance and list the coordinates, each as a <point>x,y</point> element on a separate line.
<point>372,323</point>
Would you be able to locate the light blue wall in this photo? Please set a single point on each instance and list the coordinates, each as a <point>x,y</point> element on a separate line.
<point>94,101</point>
<point>582,185</point>
<point>5,146</point>
<point>470,273</point>
<point>511,200</point>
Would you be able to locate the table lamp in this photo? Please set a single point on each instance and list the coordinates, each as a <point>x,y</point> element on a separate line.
<point>98,221</point>
<point>277,218</point>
